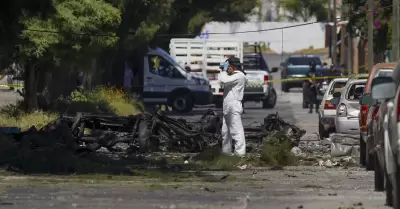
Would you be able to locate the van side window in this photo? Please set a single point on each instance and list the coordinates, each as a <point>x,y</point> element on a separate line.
<point>159,66</point>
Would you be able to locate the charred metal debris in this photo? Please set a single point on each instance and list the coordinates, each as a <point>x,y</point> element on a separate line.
<point>157,132</point>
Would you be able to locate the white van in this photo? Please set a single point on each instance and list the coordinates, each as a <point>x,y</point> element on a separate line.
<point>167,82</point>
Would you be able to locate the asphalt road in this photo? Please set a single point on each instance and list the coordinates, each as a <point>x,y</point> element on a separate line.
<point>308,187</point>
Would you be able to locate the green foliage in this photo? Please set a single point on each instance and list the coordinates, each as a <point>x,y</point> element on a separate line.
<point>70,16</point>
<point>304,10</point>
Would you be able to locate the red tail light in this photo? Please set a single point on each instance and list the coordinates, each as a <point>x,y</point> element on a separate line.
<point>375,113</point>
<point>364,113</point>
<point>329,106</point>
<point>266,77</point>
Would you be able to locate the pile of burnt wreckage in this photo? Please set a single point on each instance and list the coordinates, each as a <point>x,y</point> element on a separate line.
<point>146,132</point>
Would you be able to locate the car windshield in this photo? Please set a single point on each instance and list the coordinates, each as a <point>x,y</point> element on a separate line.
<point>337,87</point>
<point>303,60</point>
<point>355,91</point>
<point>384,73</point>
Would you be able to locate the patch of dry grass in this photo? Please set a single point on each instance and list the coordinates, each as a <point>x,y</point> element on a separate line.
<point>27,120</point>
<point>311,51</point>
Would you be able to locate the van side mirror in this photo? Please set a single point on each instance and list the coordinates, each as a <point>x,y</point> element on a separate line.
<point>274,69</point>
<point>367,100</point>
<point>337,95</point>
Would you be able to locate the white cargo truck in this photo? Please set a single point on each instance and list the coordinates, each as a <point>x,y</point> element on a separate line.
<point>204,56</point>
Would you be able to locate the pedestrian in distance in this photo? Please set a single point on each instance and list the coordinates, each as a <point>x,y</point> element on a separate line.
<point>312,87</point>
<point>234,80</point>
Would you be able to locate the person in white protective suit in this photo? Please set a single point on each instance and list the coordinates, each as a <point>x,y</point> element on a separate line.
<point>233,79</point>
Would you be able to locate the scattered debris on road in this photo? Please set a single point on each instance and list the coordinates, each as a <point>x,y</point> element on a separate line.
<point>337,150</point>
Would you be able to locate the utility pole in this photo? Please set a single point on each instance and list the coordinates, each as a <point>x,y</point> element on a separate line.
<point>343,38</point>
<point>334,34</point>
<point>330,28</point>
<point>350,67</point>
<point>370,34</point>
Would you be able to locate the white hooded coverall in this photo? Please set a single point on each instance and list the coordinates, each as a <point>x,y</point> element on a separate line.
<point>232,128</point>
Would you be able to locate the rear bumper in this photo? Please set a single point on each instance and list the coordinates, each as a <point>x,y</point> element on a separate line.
<point>347,125</point>
<point>294,82</point>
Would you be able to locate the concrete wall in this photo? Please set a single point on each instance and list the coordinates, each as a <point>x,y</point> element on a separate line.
<point>294,38</point>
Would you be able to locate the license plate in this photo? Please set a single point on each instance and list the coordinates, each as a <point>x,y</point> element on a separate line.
<point>320,97</point>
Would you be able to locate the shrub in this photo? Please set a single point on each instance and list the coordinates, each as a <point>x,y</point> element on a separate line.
<point>102,99</point>
<point>276,151</point>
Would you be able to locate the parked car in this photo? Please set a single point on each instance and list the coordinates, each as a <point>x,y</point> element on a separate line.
<point>368,114</point>
<point>379,98</point>
<point>348,106</point>
<point>389,147</point>
<point>327,111</point>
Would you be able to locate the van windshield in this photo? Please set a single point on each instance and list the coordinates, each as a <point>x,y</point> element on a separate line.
<point>172,61</point>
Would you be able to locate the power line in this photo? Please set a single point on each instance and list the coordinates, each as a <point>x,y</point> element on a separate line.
<point>191,34</point>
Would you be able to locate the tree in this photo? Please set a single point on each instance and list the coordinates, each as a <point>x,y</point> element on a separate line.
<point>50,37</point>
<point>304,10</point>
<point>382,31</point>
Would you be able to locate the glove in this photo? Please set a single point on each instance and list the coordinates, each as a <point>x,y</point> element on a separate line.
<point>224,66</point>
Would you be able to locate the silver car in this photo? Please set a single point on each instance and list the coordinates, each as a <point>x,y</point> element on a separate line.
<point>348,107</point>
<point>327,111</point>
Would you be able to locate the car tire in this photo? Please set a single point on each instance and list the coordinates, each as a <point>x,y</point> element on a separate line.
<point>369,158</point>
<point>322,132</point>
<point>285,88</point>
<point>362,151</point>
<point>182,103</point>
<point>270,102</point>
<point>396,188</point>
<point>388,190</point>
<point>379,178</point>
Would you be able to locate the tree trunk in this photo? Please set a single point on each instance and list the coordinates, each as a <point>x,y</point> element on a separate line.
<point>30,85</point>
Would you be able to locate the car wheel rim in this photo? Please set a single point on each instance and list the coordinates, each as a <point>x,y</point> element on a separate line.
<point>180,103</point>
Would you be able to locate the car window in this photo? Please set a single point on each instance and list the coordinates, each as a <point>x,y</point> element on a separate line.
<point>355,91</point>
<point>303,60</point>
<point>254,62</point>
<point>337,87</point>
<point>383,73</point>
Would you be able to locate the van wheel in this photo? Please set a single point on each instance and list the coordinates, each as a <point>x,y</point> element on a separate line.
<point>182,103</point>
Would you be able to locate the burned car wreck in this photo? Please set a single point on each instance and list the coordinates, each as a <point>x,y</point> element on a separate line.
<point>151,132</point>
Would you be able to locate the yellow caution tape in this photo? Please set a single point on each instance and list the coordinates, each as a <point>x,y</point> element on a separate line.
<point>250,84</point>
<point>12,85</point>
